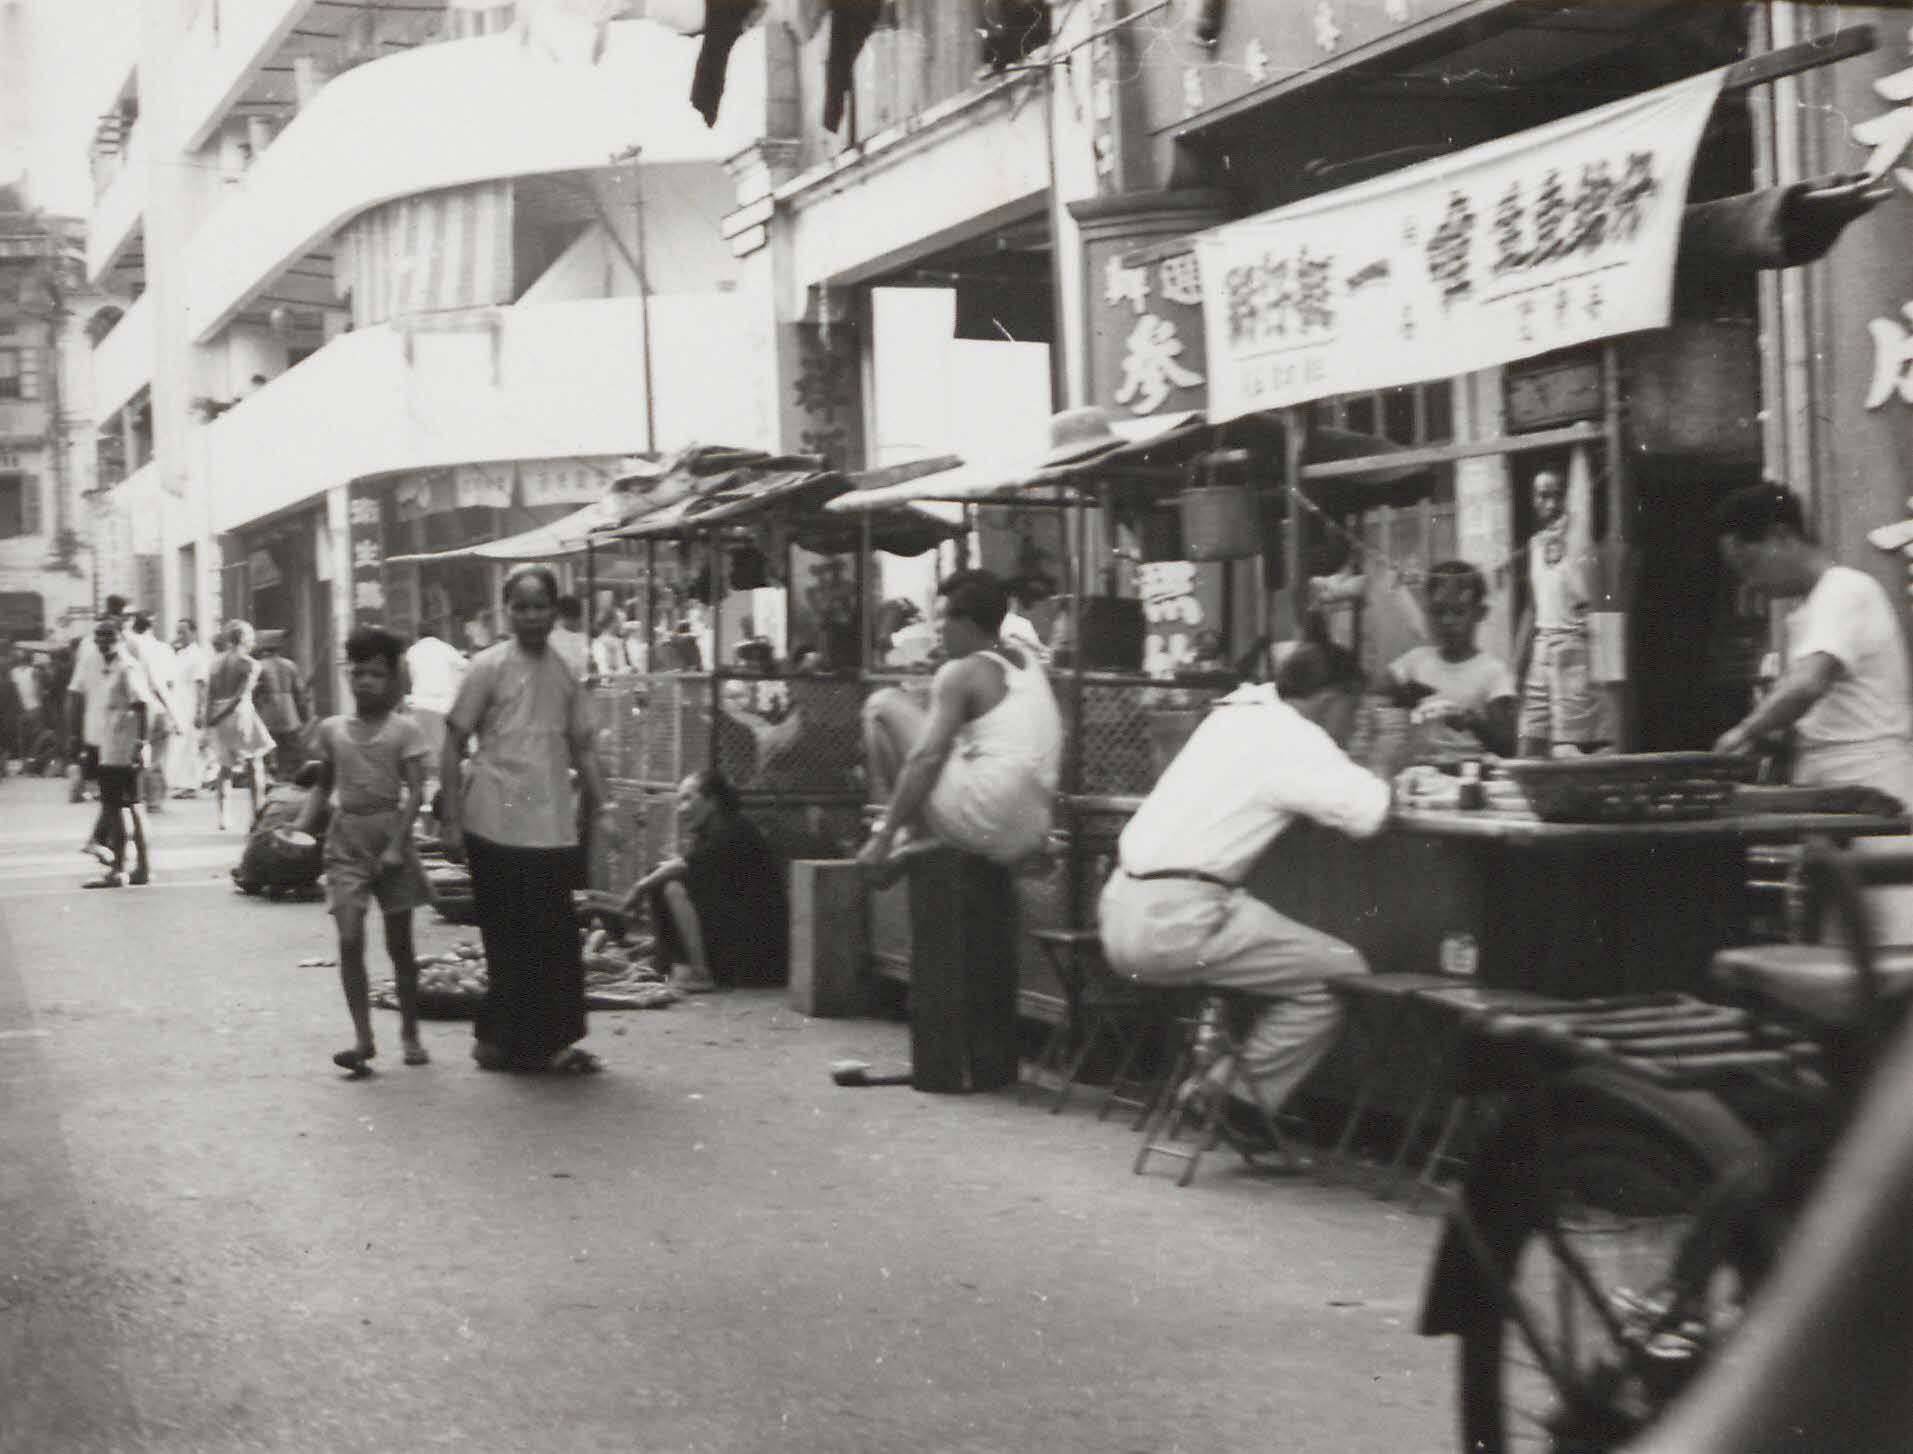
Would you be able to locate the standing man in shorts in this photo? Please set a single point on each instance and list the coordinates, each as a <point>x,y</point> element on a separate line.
<point>1563,710</point>
<point>372,764</point>
<point>125,709</point>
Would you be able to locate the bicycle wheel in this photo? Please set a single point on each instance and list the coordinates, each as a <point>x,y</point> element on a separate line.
<point>1596,1348</point>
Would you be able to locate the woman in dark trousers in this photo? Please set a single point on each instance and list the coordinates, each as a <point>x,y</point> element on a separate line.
<point>517,818</point>
<point>720,912</point>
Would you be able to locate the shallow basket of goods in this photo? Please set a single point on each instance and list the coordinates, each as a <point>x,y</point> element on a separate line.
<point>1644,787</point>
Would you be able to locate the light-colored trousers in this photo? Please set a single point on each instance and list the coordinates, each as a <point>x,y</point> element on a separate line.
<point>1182,932</point>
<point>1884,764</point>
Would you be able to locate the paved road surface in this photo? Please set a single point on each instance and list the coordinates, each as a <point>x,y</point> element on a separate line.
<point>211,1242</point>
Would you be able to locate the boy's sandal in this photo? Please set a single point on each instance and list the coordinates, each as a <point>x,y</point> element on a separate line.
<point>107,881</point>
<point>355,1060</point>
<point>416,1054</point>
<point>574,1061</point>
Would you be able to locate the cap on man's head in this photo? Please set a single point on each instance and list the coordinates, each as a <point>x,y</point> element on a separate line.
<point>116,605</point>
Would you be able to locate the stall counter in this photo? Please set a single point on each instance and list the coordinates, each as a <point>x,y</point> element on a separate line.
<point>1568,909</point>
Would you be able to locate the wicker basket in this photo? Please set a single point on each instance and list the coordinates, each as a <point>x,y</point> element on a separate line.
<point>1649,787</point>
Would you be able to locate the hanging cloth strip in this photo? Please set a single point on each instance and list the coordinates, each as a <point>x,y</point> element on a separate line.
<point>851,22</point>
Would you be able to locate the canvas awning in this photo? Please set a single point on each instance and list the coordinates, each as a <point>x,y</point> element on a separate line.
<point>567,536</point>
<point>1172,442</point>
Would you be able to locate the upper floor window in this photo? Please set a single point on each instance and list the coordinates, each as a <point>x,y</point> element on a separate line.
<point>10,383</point>
<point>19,505</point>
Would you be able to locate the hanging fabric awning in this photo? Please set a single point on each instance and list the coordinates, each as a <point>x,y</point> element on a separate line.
<point>979,480</point>
<point>790,502</point>
<point>1172,443</point>
<point>567,536</point>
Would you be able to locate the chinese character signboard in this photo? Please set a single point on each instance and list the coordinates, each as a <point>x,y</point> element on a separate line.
<point>1553,237</point>
<point>562,481</point>
<point>366,513</point>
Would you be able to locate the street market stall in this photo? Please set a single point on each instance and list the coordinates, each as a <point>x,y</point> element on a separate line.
<point>789,741</point>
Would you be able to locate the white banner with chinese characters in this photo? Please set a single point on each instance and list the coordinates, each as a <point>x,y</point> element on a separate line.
<point>1542,240</point>
<point>566,481</point>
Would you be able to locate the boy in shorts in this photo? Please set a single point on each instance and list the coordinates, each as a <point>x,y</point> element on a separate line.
<point>372,766</point>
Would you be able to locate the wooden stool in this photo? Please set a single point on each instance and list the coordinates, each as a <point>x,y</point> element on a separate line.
<point>1208,1021</point>
<point>1100,1008</point>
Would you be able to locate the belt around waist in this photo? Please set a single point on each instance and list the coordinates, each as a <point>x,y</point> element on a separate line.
<point>1193,875</point>
<point>345,812</point>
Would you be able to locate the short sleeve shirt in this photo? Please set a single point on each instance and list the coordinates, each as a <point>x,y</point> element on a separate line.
<point>1848,617</point>
<point>1471,685</point>
<point>122,687</point>
<point>368,759</point>
<point>527,710</point>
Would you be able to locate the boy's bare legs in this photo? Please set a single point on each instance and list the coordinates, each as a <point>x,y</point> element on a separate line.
<point>357,995</point>
<point>220,792</point>
<point>398,944</point>
<point>254,772</point>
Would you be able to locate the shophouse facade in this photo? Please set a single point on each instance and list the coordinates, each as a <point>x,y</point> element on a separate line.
<point>1072,183</point>
<point>60,546</point>
<point>400,278</point>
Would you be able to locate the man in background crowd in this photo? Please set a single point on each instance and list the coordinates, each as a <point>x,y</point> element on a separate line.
<point>163,715</point>
<point>435,668</point>
<point>568,637</point>
<point>191,664</point>
<point>280,697</point>
<point>86,700</point>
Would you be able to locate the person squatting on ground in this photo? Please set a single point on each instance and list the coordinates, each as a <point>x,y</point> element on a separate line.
<point>722,906</point>
<point>236,736</point>
<point>517,818</point>
<point>372,765</point>
<point>1175,913</point>
<point>979,770</point>
<point>125,717</point>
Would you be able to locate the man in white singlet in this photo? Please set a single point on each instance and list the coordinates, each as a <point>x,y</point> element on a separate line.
<point>978,770</point>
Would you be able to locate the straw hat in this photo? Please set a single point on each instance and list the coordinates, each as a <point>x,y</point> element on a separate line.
<point>1078,434</point>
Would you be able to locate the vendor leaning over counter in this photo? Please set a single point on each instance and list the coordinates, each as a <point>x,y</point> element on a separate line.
<point>1465,696</point>
<point>1175,912</point>
<point>1844,691</point>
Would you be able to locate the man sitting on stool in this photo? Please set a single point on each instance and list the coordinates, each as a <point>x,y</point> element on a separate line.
<point>1175,914</point>
<point>978,771</point>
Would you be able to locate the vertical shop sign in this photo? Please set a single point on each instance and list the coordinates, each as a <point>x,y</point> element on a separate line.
<point>824,409</point>
<point>1867,102</point>
<point>367,515</point>
<point>1172,614</point>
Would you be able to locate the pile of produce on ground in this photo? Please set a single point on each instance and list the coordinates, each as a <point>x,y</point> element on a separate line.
<point>617,977</point>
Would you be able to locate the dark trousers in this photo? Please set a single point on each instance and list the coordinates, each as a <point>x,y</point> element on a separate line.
<point>535,995</point>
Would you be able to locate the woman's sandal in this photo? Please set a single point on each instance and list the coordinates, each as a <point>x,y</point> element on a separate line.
<point>573,1061</point>
<point>358,1062</point>
<point>105,881</point>
<point>489,1057</point>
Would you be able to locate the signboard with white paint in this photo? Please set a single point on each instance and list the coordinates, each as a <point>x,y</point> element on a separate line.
<point>1553,237</point>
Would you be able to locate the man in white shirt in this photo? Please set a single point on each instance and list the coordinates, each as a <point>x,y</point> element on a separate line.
<point>190,667</point>
<point>1844,690</point>
<point>1175,913</point>
<point>568,638</point>
<point>162,668</point>
<point>1018,630</point>
<point>435,668</point>
<point>1561,705</point>
<point>86,697</point>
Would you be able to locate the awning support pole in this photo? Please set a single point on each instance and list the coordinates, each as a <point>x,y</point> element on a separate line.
<point>1295,450</point>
